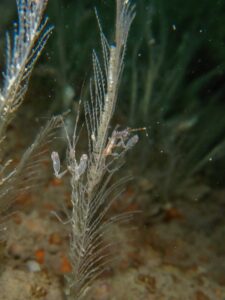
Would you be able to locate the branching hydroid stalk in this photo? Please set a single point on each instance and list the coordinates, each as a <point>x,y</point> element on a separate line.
<point>30,35</point>
<point>92,190</point>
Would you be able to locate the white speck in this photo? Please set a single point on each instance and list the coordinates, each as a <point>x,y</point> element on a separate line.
<point>174,27</point>
<point>152,42</point>
<point>210,159</point>
<point>33,266</point>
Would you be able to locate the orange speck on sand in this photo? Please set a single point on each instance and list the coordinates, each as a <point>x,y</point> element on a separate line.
<point>17,218</point>
<point>129,191</point>
<point>40,256</point>
<point>55,239</point>
<point>49,206</point>
<point>135,207</point>
<point>65,266</point>
<point>173,213</point>
<point>56,182</point>
<point>24,199</point>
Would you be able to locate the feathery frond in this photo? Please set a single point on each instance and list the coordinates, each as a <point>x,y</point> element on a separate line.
<point>92,190</point>
<point>27,173</point>
<point>30,35</point>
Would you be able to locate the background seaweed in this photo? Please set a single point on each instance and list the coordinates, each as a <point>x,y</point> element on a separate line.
<point>173,84</point>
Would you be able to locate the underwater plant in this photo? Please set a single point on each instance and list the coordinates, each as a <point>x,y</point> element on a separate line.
<point>30,35</point>
<point>92,190</point>
<point>173,72</point>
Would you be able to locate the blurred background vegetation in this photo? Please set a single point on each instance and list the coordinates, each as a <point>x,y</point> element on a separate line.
<point>173,84</point>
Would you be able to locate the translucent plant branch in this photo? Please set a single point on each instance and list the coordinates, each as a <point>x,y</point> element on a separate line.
<point>104,89</point>
<point>29,170</point>
<point>30,35</point>
<point>92,190</point>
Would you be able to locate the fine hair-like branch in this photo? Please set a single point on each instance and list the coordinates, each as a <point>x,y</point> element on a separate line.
<point>92,190</point>
<point>30,35</point>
